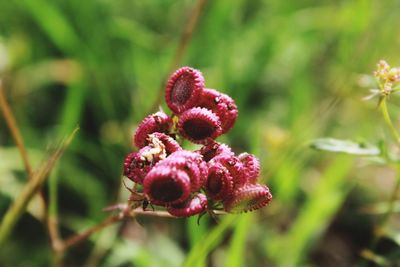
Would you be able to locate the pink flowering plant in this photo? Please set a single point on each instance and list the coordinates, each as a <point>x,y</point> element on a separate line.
<point>184,182</point>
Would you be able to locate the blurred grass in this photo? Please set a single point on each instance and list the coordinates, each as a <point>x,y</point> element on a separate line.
<point>293,69</point>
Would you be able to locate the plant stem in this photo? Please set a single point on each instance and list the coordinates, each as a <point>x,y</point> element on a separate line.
<point>15,133</point>
<point>111,220</point>
<point>85,234</point>
<point>52,214</point>
<point>385,219</point>
<point>388,120</point>
<point>187,33</point>
<point>31,188</point>
<point>182,46</point>
<point>75,239</point>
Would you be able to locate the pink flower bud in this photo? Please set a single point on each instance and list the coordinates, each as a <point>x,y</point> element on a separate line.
<point>222,105</point>
<point>138,164</point>
<point>214,149</point>
<point>247,198</point>
<point>219,183</point>
<point>198,160</point>
<point>199,125</point>
<point>251,167</point>
<point>166,186</point>
<point>234,166</point>
<point>190,167</point>
<point>157,122</point>
<point>195,205</point>
<point>183,89</point>
<point>135,168</point>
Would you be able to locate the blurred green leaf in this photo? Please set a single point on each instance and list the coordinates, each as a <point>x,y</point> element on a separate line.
<point>321,205</point>
<point>345,146</point>
<point>237,252</point>
<point>393,234</point>
<point>202,249</point>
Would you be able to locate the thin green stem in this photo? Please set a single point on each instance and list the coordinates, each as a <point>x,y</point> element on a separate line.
<point>388,120</point>
<point>368,254</point>
<point>52,222</point>
<point>53,200</point>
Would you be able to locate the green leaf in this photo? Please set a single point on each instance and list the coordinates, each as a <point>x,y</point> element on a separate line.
<point>315,215</point>
<point>237,250</point>
<point>204,247</point>
<point>345,146</point>
<point>393,234</point>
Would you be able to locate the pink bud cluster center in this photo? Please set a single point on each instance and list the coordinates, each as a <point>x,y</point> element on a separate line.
<point>186,182</point>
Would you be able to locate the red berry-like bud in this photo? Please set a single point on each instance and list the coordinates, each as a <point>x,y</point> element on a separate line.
<point>214,149</point>
<point>170,144</point>
<point>234,166</point>
<point>199,125</point>
<point>197,159</point>
<point>157,122</point>
<point>138,164</point>
<point>219,184</point>
<point>222,105</point>
<point>183,89</point>
<point>190,167</point>
<point>247,198</point>
<point>195,205</point>
<point>166,186</point>
<point>135,168</point>
<point>251,167</point>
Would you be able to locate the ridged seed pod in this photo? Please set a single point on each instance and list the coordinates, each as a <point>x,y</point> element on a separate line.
<point>166,186</point>
<point>195,205</point>
<point>199,125</point>
<point>234,166</point>
<point>214,149</point>
<point>190,167</point>
<point>219,183</point>
<point>247,198</point>
<point>138,164</point>
<point>157,122</point>
<point>184,88</point>
<point>195,157</point>
<point>135,168</point>
<point>251,167</point>
<point>222,105</point>
<point>229,111</point>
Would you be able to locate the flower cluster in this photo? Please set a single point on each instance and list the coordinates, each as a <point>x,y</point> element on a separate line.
<point>192,182</point>
<point>388,78</point>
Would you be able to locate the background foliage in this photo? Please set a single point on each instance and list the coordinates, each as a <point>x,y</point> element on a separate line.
<point>294,69</point>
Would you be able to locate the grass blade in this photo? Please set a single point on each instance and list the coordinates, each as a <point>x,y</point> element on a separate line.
<point>201,250</point>
<point>31,188</point>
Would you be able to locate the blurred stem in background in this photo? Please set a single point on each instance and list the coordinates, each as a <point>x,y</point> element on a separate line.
<point>184,41</point>
<point>15,133</point>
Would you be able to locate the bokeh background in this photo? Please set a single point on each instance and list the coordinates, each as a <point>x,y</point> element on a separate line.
<point>296,71</point>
